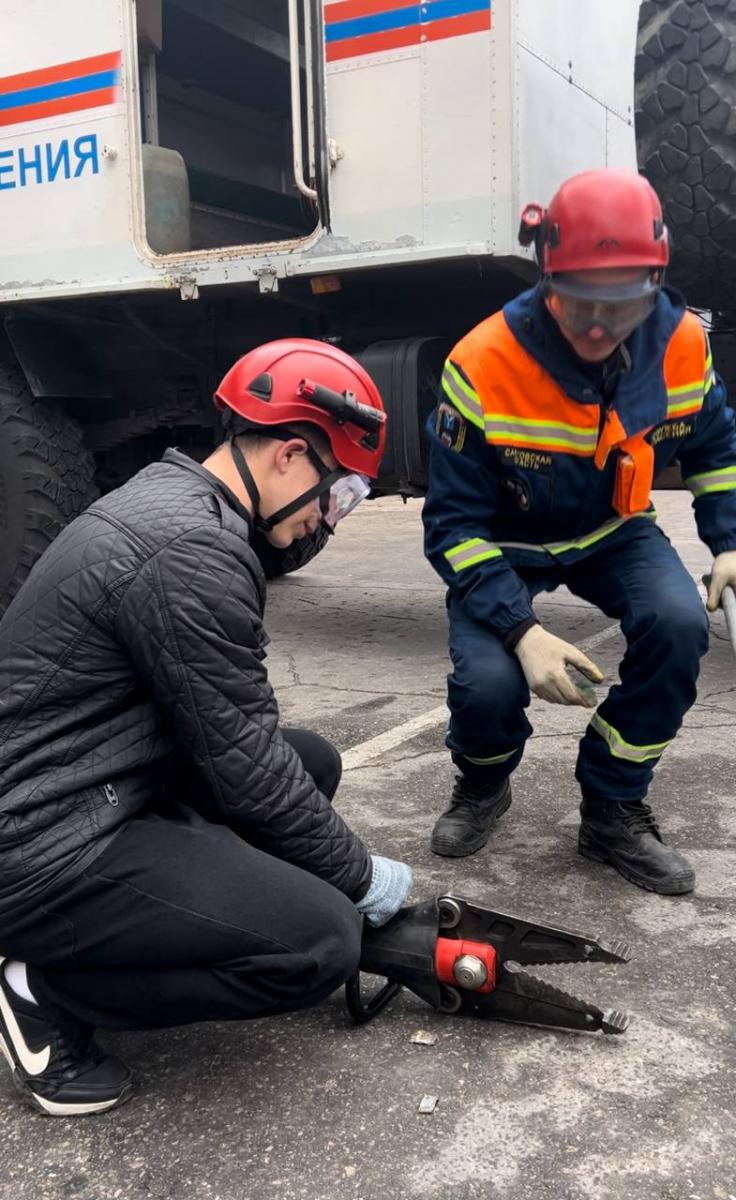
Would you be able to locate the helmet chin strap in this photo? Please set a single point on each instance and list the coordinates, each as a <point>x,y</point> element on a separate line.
<point>244,472</point>
<point>321,489</point>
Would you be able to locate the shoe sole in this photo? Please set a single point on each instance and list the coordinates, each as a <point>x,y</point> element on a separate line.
<point>451,849</point>
<point>665,889</point>
<point>53,1108</point>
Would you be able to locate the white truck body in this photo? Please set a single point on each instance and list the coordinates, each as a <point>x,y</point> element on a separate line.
<point>441,119</point>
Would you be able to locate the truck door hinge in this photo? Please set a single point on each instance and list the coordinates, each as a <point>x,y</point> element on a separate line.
<point>268,280</point>
<point>188,289</point>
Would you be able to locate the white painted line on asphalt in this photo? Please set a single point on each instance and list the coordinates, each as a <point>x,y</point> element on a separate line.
<point>358,756</point>
<point>595,639</point>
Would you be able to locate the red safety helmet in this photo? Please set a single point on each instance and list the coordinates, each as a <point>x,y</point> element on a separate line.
<point>598,219</point>
<point>301,380</point>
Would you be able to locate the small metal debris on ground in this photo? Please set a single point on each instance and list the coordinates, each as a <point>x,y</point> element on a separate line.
<point>422,1038</point>
<point>428,1104</point>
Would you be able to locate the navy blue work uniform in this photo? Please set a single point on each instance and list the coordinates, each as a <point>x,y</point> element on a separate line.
<point>533,454</point>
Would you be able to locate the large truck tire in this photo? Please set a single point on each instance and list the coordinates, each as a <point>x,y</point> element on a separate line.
<point>46,478</point>
<point>685,125</point>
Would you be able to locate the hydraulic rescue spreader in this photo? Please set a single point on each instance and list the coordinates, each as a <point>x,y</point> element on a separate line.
<point>462,957</point>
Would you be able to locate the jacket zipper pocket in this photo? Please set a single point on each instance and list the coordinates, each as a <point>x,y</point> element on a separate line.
<point>110,795</point>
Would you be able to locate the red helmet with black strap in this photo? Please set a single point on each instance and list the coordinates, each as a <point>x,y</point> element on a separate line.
<point>297,381</point>
<point>275,385</point>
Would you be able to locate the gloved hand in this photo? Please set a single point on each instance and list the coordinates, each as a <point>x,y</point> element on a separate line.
<point>390,885</point>
<point>723,573</point>
<point>543,659</point>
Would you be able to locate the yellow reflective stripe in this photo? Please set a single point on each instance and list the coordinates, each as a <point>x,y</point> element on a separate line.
<point>578,543</point>
<point>684,388</point>
<point>467,554</point>
<point>466,401</point>
<point>686,398</point>
<point>710,375</point>
<point>722,480</point>
<point>620,748</point>
<point>505,431</point>
<point>585,430</point>
<point>488,762</point>
<point>533,431</point>
<point>532,441</point>
<point>545,430</point>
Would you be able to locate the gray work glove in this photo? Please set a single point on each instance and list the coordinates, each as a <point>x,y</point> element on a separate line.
<point>722,575</point>
<point>390,885</point>
<point>544,659</point>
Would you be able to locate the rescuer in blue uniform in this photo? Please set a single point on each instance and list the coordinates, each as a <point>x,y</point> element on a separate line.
<point>555,416</point>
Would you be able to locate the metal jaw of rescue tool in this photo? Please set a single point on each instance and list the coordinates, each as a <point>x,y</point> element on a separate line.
<point>462,957</point>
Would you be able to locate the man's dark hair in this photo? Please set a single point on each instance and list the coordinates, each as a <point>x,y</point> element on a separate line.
<point>250,438</point>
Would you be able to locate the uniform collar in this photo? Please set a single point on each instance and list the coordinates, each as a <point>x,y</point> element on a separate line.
<point>640,397</point>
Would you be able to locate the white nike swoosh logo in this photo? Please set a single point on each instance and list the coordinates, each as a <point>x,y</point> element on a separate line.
<point>34,1063</point>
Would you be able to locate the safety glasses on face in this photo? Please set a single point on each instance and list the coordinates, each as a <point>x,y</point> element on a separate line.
<point>338,491</point>
<point>343,498</point>
<point>616,308</point>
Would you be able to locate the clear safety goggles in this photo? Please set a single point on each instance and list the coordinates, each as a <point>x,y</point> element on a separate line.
<point>617,309</point>
<point>344,496</point>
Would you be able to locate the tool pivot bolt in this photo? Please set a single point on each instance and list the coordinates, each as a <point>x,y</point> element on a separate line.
<point>470,972</point>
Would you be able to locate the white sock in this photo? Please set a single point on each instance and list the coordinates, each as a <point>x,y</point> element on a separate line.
<point>17,977</point>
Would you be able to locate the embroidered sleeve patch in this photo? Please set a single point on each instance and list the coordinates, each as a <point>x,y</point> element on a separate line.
<point>450,427</point>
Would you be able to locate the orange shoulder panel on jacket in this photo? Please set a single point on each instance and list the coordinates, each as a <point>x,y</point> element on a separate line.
<point>685,368</point>
<point>523,404</point>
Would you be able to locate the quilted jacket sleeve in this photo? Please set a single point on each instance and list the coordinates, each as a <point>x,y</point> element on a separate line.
<point>191,622</point>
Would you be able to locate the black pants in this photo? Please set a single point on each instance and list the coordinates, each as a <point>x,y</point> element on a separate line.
<point>180,920</point>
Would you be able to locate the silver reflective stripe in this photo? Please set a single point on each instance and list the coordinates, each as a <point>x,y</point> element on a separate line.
<point>620,748</point>
<point>533,433</point>
<point>462,395</point>
<point>680,399</point>
<point>474,550</point>
<point>578,543</point>
<point>723,480</point>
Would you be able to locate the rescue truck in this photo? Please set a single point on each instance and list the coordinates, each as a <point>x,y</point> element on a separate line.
<point>183,179</point>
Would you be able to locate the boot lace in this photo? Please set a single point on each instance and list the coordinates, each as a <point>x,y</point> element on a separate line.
<point>72,1048</point>
<point>466,791</point>
<point>639,818</point>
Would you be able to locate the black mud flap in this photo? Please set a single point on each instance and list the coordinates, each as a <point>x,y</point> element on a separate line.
<point>407,374</point>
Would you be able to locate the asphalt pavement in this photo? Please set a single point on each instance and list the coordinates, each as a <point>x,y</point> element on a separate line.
<point>310,1106</point>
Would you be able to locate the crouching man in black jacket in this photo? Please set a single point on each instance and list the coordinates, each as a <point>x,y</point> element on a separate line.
<point>134,894</point>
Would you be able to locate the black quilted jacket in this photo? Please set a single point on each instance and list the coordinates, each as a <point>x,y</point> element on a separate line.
<point>136,647</point>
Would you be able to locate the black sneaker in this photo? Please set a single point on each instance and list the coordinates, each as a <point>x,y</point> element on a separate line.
<point>626,835</point>
<point>56,1065</point>
<point>474,809</point>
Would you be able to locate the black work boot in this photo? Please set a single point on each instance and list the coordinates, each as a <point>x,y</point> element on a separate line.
<point>625,834</point>
<point>56,1065</point>
<point>467,824</point>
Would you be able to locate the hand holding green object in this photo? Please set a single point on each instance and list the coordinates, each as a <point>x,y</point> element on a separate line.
<point>544,660</point>
<point>585,687</point>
